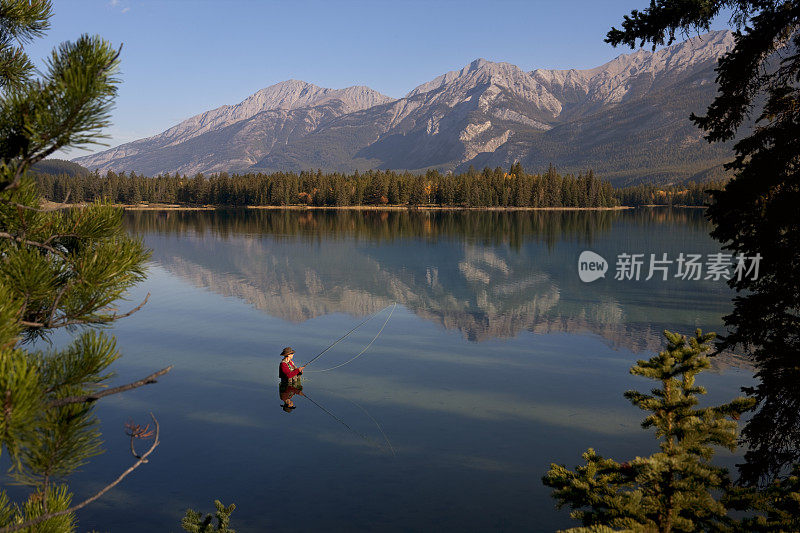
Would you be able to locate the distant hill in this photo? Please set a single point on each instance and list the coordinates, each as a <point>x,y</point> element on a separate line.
<point>60,166</point>
<point>626,119</point>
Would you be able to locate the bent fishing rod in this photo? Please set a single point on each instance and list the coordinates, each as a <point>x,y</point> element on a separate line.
<point>348,334</point>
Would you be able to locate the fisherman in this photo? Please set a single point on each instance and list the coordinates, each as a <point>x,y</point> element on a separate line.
<point>287,370</point>
<point>285,392</point>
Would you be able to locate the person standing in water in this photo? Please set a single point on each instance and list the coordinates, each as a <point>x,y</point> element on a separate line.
<point>287,370</point>
<point>285,392</point>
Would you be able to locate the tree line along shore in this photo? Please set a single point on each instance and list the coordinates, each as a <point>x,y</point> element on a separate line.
<point>497,188</point>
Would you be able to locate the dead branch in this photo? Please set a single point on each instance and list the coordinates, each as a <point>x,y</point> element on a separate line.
<point>87,501</point>
<point>129,313</point>
<point>135,432</point>
<point>116,390</point>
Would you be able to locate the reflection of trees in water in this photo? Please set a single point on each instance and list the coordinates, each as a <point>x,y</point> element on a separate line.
<point>474,280</point>
<point>538,315</point>
<point>487,227</point>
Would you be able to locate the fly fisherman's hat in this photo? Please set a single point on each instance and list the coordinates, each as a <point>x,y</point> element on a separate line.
<point>287,351</point>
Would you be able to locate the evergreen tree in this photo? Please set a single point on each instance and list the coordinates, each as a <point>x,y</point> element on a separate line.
<point>677,488</point>
<point>58,269</point>
<point>195,522</point>
<point>756,212</point>
<point>777,506</point>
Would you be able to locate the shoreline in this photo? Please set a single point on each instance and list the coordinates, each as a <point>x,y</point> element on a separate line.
<point>169,207</point>
<point>425,208</point>
<point>178,207</point>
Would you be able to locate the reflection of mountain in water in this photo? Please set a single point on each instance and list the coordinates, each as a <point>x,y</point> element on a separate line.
<point>487,275</point>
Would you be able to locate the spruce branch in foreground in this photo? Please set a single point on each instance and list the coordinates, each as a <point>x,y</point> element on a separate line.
<point>676,489</point>
<point>194,522</point>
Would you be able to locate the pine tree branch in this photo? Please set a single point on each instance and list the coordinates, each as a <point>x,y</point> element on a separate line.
<point>116,390</point>
<point>71,121</point>
<point>23,307</point>
<point>5,235</point>
<point>60,236</point>
<point>56,302</point>
<point>14,183</point>
<point>29,208</point>
<point>79,322</point>
<point>129,313</point>
<point>87,501</point>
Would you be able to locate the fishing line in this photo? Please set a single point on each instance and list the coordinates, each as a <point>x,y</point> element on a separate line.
<point>342,422</point>
<point>394,305</point>
<point>345,336</point>
<point>376,423</point>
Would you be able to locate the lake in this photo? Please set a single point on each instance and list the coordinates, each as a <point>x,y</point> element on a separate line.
<point>496,361</point>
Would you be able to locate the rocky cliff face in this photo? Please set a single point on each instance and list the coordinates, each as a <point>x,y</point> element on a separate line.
<point>633,75</point>
<point>627,118</point>
<point>233,137</point>
<point>284,96</point>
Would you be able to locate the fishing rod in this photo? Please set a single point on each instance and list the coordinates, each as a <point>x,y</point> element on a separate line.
<point>359,354</point>
<point>351,331</point>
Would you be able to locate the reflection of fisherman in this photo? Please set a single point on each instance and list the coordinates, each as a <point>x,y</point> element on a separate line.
<point>287,370</point>
<point>286,391</point>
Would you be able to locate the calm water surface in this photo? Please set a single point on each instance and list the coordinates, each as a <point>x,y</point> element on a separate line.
<point>496,362</point>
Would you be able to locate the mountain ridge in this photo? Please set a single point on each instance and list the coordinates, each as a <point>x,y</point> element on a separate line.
<point>486,113</point>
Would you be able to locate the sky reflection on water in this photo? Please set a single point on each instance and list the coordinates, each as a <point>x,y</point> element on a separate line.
<point>497,362</point>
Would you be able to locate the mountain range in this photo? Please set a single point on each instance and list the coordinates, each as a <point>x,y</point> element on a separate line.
<point>626,119</point>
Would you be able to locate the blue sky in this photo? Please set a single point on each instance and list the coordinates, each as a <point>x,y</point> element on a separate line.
<point>183,57</point>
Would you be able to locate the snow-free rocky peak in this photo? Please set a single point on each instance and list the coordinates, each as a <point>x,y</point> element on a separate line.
<point>626,118</point>
<point>286,95</point>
